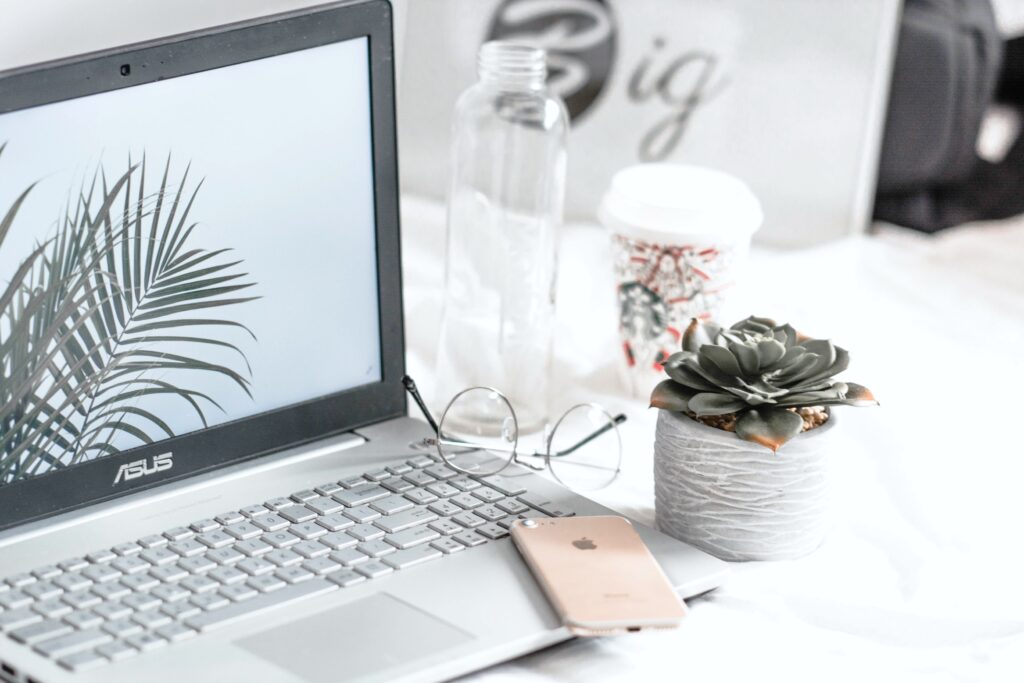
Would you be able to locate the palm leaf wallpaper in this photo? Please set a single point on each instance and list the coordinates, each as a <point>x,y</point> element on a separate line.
<point>108,318</point>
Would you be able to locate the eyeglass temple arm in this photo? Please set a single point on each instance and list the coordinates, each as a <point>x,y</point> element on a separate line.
<point>410,386</point>
<point>617,420</point>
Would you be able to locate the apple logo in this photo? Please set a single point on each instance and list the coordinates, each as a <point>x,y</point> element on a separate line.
<point>584,544</point>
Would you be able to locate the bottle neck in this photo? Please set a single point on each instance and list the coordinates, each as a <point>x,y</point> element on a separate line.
<point>510,66</point>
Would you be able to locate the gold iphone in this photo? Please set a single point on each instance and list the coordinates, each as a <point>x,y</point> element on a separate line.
<point>598,574</point>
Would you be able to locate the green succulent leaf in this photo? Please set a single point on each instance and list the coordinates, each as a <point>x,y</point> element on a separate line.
<point>714,404</point>
<point>769,426</point>
<point>669,395</point>
<point>718,358</point>
<point>698,333</point>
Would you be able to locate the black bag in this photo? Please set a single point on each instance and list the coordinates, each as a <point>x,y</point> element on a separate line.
<point>944,77</point>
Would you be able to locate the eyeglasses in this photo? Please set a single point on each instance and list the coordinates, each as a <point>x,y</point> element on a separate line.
<point>478,435</point>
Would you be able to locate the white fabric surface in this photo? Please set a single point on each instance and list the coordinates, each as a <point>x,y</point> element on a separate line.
<point>922,575</point>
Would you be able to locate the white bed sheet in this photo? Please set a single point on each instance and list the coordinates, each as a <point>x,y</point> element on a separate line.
<point>922,576</point>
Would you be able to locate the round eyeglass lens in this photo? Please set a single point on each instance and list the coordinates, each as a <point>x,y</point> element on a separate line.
<point>479,432</point>
<point>585,448</point>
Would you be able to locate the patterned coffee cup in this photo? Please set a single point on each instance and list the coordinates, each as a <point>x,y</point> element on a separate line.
<point>679,237</point>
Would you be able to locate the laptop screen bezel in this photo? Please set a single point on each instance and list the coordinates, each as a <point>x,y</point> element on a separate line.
<point>63,490</point>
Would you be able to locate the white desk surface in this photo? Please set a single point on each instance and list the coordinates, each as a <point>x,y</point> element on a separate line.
<point>922,576</point>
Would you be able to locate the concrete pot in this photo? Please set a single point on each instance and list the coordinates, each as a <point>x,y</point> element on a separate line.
<point>735,499</point>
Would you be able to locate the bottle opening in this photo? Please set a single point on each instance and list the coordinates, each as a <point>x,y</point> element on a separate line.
<point>513,64</point>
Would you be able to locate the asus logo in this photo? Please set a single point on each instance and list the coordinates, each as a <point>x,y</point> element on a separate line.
<point>144,468</point>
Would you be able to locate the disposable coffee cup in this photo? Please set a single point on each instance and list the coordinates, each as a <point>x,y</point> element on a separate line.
<point>680,236</point>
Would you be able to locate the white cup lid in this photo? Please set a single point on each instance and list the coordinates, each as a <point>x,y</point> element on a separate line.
<point>662,201</point>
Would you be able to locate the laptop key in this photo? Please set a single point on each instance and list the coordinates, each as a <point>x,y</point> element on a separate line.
<point>348,557</point>
<point>116,651</point>
<point>405,520</point>
<point>144,642</point>
<point>168,592</point>
<point>113,591</point>
<point>377,475</point>
<point>440,471</point>
<point>488,495</point>
<point>297,514</point>
<point>506,486</point>
<point>444,508</point>
<point>346,578</point>
<point>270,522</point>
<point>328,488</point>
<point>420,461</point>
<point>40,630</point>
<point>464,483</point>
<point>175,632</point>
<point>490,513</point>
<point>360,495</point>
<point>253,547</point>
<point>468,520</point>
<point>391,504</point>
<point>304,495</point>
<point>412,537</point>
<point>396,485</point>
<point>82,661</point>
<point>442,489</point>
<point>373,569</point>
<point>365,532</point>
<point>73,642</point>
<point>446,527</point>
<point>321,566</point>
<point>46,572</point>
<point>43,590</point>
<point>114,610</point>
<point>255,566</point>
<point>84,619</point>
<point>511,506</point>
<point>448,546</point>
<point>265,583</point>
<point>337,540</point>
<point>466,501</point>
<point>362,514</point>
<point>52,609</point>
<point>377,548</point>
<point>228,518</point>
<point>279,503</point>
<point>308,530</point>
<point>16,618</point>
<point>251,511</point>
<point>418,478</point>
<point>420,496</point>
<point>404,559</point>
<point>324,505</point>
<point>215,539</point>
<point>211,620</point>
<point>335,522</point>
<point>545,505</point>
<point>352,482</point>
<point>470,539</point>
<point>492,531</point>
<point>204,525</point>
<point>73,564</point>
<point>228,575</point>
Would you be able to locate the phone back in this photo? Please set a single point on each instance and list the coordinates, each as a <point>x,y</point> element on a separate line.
<point>598,574</point>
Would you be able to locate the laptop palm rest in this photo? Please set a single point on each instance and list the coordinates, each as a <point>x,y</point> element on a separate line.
<point>354,641</point>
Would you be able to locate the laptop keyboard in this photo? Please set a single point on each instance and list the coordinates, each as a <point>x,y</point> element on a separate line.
<point>164,588</point>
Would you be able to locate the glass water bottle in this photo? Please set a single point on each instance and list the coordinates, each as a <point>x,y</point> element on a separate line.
<point>504,207</point>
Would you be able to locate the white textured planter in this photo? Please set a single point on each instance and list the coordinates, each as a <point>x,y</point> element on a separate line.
<point>735,499</point>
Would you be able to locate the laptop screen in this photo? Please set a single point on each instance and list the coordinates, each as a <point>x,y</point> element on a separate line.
<point>185,253</point>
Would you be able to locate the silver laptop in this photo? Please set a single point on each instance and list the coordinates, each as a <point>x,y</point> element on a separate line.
<point>206,467</point>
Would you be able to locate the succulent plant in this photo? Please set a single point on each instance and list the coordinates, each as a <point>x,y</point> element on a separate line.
<point>756,370</point>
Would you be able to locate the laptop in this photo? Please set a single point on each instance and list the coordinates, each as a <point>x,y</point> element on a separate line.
<point>207,471</point>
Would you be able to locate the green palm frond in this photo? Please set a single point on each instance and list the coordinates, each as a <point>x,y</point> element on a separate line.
<point>86,320</point>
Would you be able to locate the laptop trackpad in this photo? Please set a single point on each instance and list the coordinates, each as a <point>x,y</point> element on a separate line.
<point>355,640</point>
